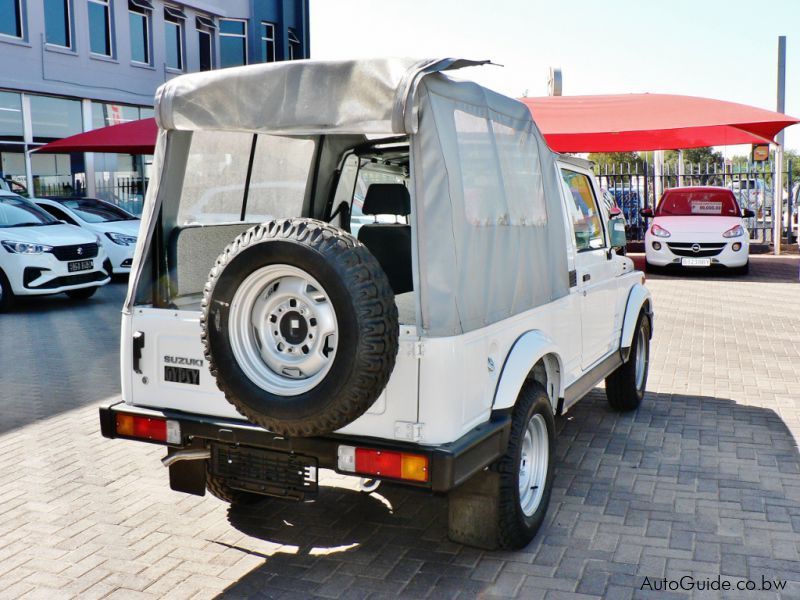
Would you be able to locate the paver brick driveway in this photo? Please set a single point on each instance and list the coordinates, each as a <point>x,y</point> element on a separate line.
<point>704,480</point>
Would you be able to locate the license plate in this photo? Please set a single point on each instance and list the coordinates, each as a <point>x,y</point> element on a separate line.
<point>265,471</point>
<point>696,262</point>
<point>80,265</point>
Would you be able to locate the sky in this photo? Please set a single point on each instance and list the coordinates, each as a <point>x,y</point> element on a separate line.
<point>717,49</point>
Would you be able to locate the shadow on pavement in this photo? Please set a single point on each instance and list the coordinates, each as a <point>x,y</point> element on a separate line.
<point>687,485</point>
<point>57,354</point>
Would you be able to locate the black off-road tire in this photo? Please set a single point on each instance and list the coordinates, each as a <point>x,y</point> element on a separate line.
<point>516,529</point>
<point>82,293</point>
<point>366,314</point>
<point>622,391</point>
<point>218,488</point>
<point>7,297</point>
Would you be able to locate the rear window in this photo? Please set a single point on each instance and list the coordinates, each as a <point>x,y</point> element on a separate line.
<point>692,203</point>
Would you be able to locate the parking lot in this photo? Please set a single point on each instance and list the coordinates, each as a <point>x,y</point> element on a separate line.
<point>702,481</point>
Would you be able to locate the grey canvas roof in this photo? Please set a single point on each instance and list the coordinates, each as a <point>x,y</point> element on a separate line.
<point>303,97</point>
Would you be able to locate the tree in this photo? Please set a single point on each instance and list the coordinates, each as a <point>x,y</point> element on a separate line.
<point>610,159</point>
<point>705,154</point>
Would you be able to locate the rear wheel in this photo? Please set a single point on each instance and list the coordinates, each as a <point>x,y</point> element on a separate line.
<point>6,294</point>
<point>82,293</point>
<point>219,488</point>
<point>625,386</point>
<point>526,470</point>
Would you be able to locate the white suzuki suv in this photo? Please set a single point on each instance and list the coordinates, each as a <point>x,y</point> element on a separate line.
<point>41,255</point>
<point>697,227</point>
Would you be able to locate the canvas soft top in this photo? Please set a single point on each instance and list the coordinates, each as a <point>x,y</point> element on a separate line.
<point>302,97</point>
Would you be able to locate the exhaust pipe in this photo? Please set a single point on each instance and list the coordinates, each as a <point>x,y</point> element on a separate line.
<point>171,459</point>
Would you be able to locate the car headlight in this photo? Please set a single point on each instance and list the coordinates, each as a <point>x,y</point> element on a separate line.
<point>736,231</point>
<point>659,231</point>
<point>121,238</point>
<point>25,247</point>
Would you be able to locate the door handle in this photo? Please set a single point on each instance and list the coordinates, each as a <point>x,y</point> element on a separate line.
<point>138,344</point>
<point>586,276</point>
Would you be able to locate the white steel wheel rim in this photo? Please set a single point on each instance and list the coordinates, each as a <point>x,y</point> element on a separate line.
<point>641,358</point>
<point>533,461</point>
<point>283,330</point>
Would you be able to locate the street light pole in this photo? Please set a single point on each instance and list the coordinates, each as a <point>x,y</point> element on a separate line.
<point>777,201</point>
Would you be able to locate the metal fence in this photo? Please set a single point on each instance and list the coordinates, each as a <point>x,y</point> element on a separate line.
<point>125,192</point>
<point>635,185</point>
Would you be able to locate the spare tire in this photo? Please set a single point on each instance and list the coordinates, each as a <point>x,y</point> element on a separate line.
<point>299,326</point>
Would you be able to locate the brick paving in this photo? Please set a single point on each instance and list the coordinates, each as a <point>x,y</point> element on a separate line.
<point>703,480</point>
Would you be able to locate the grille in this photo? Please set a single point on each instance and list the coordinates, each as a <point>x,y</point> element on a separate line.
<point>90,277</point>
<point>265,471</point>
<point>77,252</point>
<point>706,249</point>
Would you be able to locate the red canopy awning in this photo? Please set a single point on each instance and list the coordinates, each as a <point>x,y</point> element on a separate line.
<point>630,122</point>
<point>134,137</point>
<point>617,123</point>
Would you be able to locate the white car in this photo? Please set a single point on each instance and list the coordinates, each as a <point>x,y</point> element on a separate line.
<point>116,228</point>
<point>697,227</point>
<point>40,255</point>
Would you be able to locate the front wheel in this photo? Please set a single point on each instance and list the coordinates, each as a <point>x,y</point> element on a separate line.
<point>625,386</point>
<point>526,469</point>
<point>82,293</point>
<point>6,294</point>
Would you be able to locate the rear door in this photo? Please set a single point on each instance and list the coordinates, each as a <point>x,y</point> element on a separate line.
<point>594,266</point>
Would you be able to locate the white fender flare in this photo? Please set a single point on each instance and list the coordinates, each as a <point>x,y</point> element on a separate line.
<point>529,349</point>
<point>639,299</point>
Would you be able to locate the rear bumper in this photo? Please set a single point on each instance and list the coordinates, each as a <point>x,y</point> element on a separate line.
<point>450,464</point>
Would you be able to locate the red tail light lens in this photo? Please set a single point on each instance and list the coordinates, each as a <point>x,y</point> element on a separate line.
<point>148,428</point>
<point>384,463</point>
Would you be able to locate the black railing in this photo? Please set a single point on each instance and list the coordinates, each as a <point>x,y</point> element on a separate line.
<point>634,186</point>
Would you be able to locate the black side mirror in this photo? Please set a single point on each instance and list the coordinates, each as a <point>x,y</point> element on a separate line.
<point>647,213</point>
<point>748,214</point>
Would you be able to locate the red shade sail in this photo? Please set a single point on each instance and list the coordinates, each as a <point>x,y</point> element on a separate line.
<point>630,122</point>
<point>134,137</point>
<point>617,123</point>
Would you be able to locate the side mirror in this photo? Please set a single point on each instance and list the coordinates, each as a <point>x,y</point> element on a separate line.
<point>748,214</point>
<point>616,228</point>
<point>647,213</point>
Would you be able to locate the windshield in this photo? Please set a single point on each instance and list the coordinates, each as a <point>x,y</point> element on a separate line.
<point>709,203</point>
<point>97,211</point>
<point>16,211</point>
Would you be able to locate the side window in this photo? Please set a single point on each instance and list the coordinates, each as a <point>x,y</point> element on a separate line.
<point>584,212</point>
<point>58,213</point>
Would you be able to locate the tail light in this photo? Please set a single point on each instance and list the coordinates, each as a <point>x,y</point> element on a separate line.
<point>152,429</point>
<point>384,463</point>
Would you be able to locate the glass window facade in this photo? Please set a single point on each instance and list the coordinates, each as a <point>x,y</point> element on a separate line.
<point>268,41</point>
<point>173,30</point>
<point>100,27</point>
<point>11,18</point>
<point>204,45</point>
<point>232,42</point>
<point>294,45</point>
<point>105,115</point>
<point>57,24</point>
<point>54,118</point>
<point>139,22</point>
<point>10,116</point>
